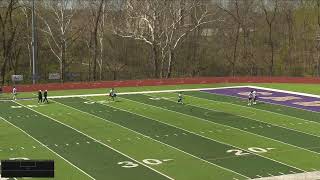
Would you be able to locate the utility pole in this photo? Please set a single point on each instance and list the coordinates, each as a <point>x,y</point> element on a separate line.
<point>33,45</point>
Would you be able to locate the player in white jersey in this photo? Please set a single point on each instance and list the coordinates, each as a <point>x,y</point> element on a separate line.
<point>14,93</point>
<point>254,96</point>
<point>112,94</point>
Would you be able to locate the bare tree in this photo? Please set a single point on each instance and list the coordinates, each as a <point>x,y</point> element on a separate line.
<point>270,17</point>
<point>9,36</point>
<point>59,29</point>
<point>139,20</point>
<point>237,19</point>
<point>97,11</point>
<point>183,18</point>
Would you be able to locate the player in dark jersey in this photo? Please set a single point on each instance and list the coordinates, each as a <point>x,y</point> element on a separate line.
<point>250,98</point>
<point>45,95</point>
<point>180,98</point>
<point>39,96</point>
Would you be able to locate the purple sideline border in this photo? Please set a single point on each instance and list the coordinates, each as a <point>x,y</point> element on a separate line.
<point>290,103</point>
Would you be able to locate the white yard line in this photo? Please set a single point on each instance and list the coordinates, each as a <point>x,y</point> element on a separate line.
<point>223,124</point>
<point>97,141</point>
<point>48,148</point>
<point>248,117</point>
<point>227,127</point>
<point>153,139</point>
<point>204,136</point>
<point>314,122</point>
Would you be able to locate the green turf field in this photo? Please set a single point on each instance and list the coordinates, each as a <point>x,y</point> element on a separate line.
<point>150,136</point>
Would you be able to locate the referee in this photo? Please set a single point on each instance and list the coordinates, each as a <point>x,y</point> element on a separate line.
<point>45,95</point>
<point>39,97</point>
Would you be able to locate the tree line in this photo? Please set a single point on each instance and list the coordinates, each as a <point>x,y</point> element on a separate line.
<point>90,40</point>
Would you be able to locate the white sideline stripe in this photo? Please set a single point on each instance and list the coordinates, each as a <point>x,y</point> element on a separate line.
<point>47,148</point>
<point>220,141</point>
<point>96,140</point>
<point>249,117</point>
<point>243,128</point>
<point>145,92</point>
<point>152,138</point>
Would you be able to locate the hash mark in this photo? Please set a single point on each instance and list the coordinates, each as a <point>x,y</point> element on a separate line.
<point>166,160</point>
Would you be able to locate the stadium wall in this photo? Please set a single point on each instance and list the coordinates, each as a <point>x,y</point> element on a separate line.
<point>157,82</point>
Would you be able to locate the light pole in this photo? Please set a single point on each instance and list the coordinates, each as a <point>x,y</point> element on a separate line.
<point>33,45</point>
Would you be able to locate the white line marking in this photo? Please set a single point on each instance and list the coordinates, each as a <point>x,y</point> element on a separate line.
<point>33,147</point>
<point>234,127</point>
<point>47,148</point>
<point>207,137</point>
<point>155,140</point>
<point>257,120</point>
<point>136,92</point>
<point>96,140</point>
<point>213,139</point>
